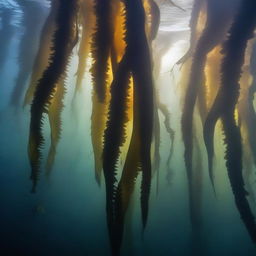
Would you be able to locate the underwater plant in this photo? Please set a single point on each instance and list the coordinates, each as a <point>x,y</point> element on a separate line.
<point>224,106</point>
<point>63,40</point>
<point>119,47</point>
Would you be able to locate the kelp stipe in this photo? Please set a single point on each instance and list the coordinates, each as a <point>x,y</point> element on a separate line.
<point>115,136</point>
<point>251,93</point>
<point>242,118</point>
<point>127,182</point>
<point>216,25</point>
<point>234,48</point>
<point>99,117</point>
<point>54,114</point>
<point>137,62</point>
<point>101,47</point>
<point>193,24</point>
<point>62,46</point>
<point>143,88</point>
<point>102,40</point>
<point>44,52</point>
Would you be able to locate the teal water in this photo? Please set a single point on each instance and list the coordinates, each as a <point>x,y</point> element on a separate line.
<point>67,214</point>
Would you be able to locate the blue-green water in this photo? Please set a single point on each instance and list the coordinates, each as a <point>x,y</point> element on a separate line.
<point>67,215</point>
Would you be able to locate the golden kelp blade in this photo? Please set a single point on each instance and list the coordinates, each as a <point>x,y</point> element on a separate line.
<point>136,60</point>
<point>118,44</point>
<point>87,20</point>
<point>54,114</point>
<point>102,40</point>
<point>62,47</point>
<point>100,109</point>
<point>154,20</point>
<point>251,93</point>
<point>44,52</point>
<point>212,74</point>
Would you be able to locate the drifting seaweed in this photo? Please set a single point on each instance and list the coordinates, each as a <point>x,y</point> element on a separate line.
<point>102,40</point>
<point>136,62</point>
<point>218,20</point>
<point>194,21</point>
<point>62,47</point>
<point>224,107</point>
<point>44,52</point>
<point>54,114</point>
<point>251,110</point>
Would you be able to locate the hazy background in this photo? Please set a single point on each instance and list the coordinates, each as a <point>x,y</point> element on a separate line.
<point>67,214</point>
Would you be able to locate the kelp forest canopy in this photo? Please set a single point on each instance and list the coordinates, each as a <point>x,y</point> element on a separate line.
<point>108,58</point>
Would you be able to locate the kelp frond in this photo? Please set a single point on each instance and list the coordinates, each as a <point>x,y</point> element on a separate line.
<point>61,50</point>
<point>234,48</point>
<point>101,46</point>
<point>87,19</point>
<point>43,55</point>
<point>54,113</point>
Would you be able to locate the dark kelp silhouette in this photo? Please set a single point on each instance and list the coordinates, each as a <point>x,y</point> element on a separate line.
<point>104,55</point>
<point>251,110</point>
<point>102,40</point>
<point>244,122</point>
<point>115,135</point>
<point>32,19</point>
<point>136,62</point>
<point>98,123</point>
<point>40,64</point>
<point>218,20</point>
<point>56,106</point>
<point>126,184</point>
<point>155,20</point>
<point>194,21</point>
<point>224,105</point>
<point>117,36</point>
<point>54,114</point>
<point>44,51</point>
<point>99,107</point>
<point>228,15</point>
<point>62,46</point>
